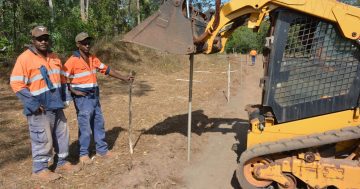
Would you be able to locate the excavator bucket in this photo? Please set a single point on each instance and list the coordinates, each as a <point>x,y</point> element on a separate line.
<point>167,30</point>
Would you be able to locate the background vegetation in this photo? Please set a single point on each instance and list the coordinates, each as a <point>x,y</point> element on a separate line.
<point>66,18</point>
<point>100,18</point>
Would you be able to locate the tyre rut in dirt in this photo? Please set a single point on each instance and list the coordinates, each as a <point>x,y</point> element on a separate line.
<point>298,143</point>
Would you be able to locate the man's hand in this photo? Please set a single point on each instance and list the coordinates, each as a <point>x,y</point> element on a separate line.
<point>40,110</point>
<point>130,78</point>
<point>116,74</point>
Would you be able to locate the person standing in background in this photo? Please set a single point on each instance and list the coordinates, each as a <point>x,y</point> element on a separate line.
<point>253,55</point>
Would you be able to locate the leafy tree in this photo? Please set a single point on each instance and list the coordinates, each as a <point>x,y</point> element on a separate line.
<point>63,19</point>
<point>244,39</point>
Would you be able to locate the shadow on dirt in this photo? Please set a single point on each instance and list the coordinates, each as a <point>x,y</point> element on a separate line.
<point>234,182</point>
<point>200,123</point>
<point>111,137</point>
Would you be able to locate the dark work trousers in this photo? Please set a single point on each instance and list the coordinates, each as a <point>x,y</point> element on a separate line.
<point>91,122</point>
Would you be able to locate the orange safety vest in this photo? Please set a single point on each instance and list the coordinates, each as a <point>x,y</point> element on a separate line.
<point>253,53</point>
<point>82,75</point>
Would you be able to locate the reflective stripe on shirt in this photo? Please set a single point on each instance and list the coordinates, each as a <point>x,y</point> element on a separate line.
<point>19,78</point>
<point>82,74</point>
<point>39,76</point>
<point>54,71</point>
<point>88,85</point>
<point>65,74</point>
<point>35,78</point>
<point>42,90</point>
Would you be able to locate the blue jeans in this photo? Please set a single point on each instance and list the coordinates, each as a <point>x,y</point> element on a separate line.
<point>90,121</point>
<point>48,130</point>
<point>253,58</point>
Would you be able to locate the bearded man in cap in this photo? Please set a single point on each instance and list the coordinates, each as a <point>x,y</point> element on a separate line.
<point>37,82</point>
<point>80,70</point>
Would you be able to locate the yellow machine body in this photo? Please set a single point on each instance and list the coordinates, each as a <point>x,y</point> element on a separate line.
<point>322,149</point>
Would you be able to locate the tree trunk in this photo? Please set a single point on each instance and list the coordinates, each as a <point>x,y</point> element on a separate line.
<point>14,7</point>
<point>51,7</point>
<point>82,11</point>
<point>129,7</point>
<point>87,10</point>
<point>138,10</point>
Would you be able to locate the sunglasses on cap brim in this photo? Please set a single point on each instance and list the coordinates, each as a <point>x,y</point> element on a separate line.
<point>42,38</point>
<point>86,42</point>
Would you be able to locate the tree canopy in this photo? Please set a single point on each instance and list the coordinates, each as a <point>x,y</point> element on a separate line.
<point>66,18</point>
<point>100,18</point>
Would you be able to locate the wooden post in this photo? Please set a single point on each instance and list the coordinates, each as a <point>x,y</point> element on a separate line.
<point>130,115</point>
<point>240,80</point>
<point>228,81</point>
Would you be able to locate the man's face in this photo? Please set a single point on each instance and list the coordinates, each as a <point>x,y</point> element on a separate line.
<point>84,45</point>
<point>41,43</point>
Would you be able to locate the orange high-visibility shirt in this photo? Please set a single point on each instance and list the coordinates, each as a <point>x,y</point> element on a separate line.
<point>30,84</point>
<point>253,53</point>
<point>26,72</point>
<point>82,75</point>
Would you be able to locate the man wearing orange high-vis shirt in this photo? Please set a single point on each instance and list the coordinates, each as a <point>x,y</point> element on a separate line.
<point>80,69</point>
<point>253,54</point>
<point>37,82</point>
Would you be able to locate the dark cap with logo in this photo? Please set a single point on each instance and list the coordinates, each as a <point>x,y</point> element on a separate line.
<point>82,36</point>
<point>39,31</point>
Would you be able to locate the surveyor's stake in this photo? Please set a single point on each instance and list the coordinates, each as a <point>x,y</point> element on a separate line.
<point>132,73</point>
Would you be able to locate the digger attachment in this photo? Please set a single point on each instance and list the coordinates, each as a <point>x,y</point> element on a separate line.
<point>166,30</point>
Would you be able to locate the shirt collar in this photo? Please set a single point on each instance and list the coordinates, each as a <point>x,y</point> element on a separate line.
<point>77,54</point>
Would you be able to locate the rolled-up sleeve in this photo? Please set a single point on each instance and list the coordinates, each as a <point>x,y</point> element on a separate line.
<point>101,67</point>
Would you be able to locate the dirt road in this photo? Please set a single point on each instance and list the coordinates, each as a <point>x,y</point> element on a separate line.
<point>160,126</point>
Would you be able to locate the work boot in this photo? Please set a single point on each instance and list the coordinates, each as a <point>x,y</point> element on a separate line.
<point>68,168</point>
<point>45,175</point>
<point>85,160</point>
<point>109,156</point>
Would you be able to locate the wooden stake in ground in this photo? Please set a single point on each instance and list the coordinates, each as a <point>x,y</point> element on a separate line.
<point>228,80</point>
<point>132,73</point>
